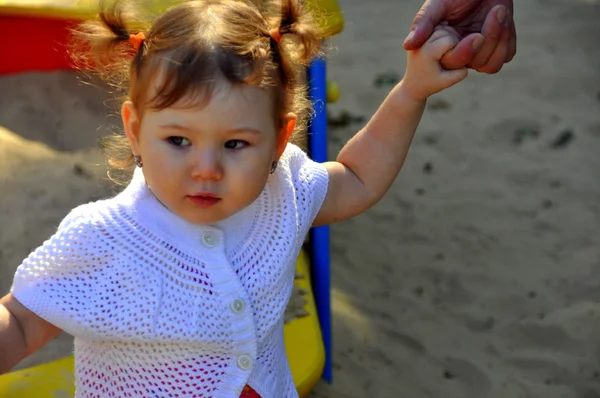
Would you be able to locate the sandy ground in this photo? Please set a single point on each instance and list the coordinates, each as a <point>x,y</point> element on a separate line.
<point>475,277</point>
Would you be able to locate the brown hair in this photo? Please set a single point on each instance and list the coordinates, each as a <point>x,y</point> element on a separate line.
<point>190,45</point>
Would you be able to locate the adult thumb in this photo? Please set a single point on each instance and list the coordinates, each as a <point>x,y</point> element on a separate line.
<point>430,14</point>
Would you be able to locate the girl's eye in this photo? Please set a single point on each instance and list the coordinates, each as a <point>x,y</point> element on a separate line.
<point>178,141</point>
<point>235,144</point>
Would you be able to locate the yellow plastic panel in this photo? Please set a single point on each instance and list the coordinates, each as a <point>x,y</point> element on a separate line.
<point>329,10</point>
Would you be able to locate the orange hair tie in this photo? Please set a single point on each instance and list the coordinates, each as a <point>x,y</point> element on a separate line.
<point>136,40</point>
<point>276,35</point>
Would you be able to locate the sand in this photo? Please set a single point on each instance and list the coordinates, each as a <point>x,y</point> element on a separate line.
<point>475,277</point>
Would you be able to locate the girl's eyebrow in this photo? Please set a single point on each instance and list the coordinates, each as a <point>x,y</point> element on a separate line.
<point>245,130</point>
<point>176,126</point>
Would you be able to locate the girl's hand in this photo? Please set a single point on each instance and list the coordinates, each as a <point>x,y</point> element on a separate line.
<point>424,73</point>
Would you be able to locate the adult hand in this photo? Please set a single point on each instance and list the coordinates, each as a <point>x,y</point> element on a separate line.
<point>486,27</point>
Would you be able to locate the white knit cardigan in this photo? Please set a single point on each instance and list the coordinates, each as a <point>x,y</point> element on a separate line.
<point>160,307</point>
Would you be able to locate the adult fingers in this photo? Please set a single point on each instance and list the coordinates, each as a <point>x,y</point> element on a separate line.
<point>492,30</point>
<point>463,53</point>
<point>428,16</point>
<point>498,57</point>
<point>512,47</point>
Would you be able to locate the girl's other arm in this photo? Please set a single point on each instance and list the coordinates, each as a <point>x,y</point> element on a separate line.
<point>21,332</point>
<point>368,164</point>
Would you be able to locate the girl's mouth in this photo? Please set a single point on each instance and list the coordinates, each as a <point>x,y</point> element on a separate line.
<point>204,200</point>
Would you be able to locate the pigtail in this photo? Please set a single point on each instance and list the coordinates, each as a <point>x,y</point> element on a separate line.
<point>294,40</point>
<point>102,45</point>
<point>297,20</point>
<point>292,18</point>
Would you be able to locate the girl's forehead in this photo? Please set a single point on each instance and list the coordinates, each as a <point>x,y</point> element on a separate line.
<point>225,106</point>
<point>215,88</point>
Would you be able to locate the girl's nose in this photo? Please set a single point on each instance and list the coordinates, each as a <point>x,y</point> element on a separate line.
<point>207,166</point>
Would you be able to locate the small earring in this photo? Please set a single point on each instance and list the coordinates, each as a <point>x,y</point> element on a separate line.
<point>138,161</point>
<point>273,167</point>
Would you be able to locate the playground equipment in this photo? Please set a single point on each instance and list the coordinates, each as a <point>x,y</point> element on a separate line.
<point>308,339</point>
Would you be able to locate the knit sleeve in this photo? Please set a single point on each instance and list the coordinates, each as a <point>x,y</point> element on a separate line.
<point>310,180</point>
<point>55,280</point>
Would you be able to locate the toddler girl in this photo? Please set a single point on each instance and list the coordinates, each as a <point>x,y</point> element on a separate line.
<point>177,286</point>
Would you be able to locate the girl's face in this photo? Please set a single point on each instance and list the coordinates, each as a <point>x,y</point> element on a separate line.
<point>207,163</point>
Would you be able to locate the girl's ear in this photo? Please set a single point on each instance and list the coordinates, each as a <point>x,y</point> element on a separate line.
<point>285,133</point>
<point>131,123</point>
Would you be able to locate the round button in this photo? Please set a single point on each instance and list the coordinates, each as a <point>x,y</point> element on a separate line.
<point>209,239</point>
<point>238,306</point>
<point>244,362</point>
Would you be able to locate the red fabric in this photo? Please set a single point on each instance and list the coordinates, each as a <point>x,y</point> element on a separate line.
<point>249,392</point>
<point>32,43</point>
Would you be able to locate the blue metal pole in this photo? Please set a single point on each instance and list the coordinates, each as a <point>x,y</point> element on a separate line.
<point>317,76</point>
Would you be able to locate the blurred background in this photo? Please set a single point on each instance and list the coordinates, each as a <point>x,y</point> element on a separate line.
<point>477,276</point>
